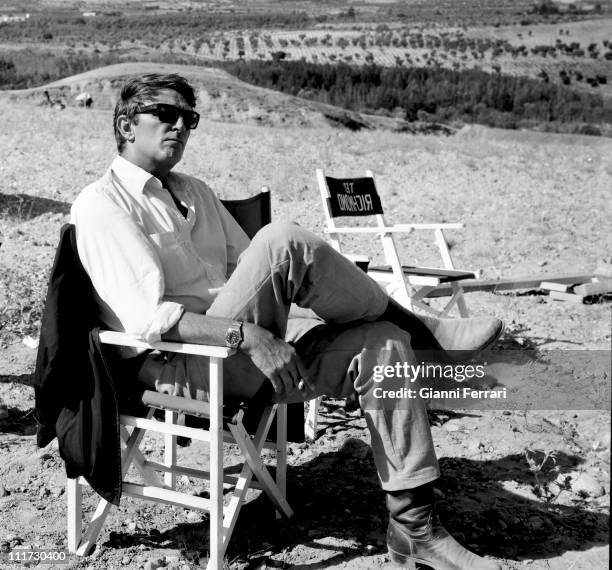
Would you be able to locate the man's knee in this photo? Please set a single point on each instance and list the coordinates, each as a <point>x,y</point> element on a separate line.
<point>287,234</point>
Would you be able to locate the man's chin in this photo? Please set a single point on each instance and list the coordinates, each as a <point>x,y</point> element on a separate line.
<point>172,156</point>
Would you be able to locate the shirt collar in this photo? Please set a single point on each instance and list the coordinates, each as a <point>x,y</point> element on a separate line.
<point>132,177</point>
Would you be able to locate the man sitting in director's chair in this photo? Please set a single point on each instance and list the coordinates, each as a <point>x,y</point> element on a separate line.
<point>168,262</point>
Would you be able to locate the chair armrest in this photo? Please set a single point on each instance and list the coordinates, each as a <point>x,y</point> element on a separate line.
<point>123,339</point>
<point>396,228</point>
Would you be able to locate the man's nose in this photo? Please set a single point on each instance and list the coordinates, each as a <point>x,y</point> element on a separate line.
<point>180,124</point>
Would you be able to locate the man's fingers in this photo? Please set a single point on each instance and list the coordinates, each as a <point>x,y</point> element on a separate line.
<point>304,377</point>
<point>276,384</point>
<point>287,380</point>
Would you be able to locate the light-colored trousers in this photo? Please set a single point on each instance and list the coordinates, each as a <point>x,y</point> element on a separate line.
<point>286,264</point>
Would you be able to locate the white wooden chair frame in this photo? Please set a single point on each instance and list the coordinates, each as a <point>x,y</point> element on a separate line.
<point>156,489</point>
<point>396,282</point>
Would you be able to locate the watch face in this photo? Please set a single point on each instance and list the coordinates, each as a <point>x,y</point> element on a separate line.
<point>233,338</point>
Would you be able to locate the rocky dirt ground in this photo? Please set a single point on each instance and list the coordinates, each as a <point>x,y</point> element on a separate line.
<point>528,488</point>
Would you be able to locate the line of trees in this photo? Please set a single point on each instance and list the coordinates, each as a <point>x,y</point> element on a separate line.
<point>430,93</point>
<point>20,69</point>
<point>149,28</point>
<point>412,93</point>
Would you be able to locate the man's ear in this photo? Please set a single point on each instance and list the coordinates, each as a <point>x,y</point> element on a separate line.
<point>125,127</point>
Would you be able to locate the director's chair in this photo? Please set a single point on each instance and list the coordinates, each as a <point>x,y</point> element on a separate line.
<point>409,285</point>
<point>69,284</point>
<point>358,198</point>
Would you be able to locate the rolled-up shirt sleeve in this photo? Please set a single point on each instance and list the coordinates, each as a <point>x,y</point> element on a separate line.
<point>124,268</point>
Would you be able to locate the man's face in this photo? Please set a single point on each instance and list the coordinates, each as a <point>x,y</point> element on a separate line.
<point>158,146</point>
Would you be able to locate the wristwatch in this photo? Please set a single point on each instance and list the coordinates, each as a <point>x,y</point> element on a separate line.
<point>233,336</point>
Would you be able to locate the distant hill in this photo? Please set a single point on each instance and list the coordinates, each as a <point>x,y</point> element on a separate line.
<point>221,97</point>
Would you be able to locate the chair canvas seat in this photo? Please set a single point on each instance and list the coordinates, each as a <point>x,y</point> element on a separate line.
<point>440,275</point>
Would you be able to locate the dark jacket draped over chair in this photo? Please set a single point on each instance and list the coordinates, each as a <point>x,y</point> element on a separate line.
<point>75,396</point>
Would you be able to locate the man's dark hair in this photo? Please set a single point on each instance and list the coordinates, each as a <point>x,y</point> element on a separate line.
<point>139,90</point>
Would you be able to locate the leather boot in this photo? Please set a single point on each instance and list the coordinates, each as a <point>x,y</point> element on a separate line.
<point>446,340</point>
<point>416,536</point>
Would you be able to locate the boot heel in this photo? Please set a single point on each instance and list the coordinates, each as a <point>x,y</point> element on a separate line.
<point>404,562</point>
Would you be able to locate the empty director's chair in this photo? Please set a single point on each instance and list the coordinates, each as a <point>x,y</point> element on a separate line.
<point>409,285</point>
<point>84,410</point>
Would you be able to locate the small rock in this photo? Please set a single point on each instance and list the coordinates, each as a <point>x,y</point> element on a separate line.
<point>193,517</point>
<point>585,485</point>
<point>3,491</point>
<point>452,425</point>
<point>30,342</point>
<point>125,560</point>
<point>131,526</point>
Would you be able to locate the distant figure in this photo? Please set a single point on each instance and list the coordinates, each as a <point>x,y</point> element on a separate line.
<point>84,99</point>
<point>54,103</point>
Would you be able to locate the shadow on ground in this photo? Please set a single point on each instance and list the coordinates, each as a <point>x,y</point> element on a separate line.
<point>337,496</point>
<point>21,207</point>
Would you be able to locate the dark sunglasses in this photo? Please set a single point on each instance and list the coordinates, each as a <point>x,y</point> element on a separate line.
<point>169,114</point>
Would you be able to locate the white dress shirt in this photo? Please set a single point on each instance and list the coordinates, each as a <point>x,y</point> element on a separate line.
<point>148,264</point>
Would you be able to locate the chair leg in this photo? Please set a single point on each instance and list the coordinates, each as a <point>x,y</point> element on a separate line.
<point>310,429</point>
<point>253,458</point>
<point>81,544</point>
<point>216,543</point>
<point>94,528</point>
<point>244,479</point>
<point>461,305</point>
<point>74,496</point>
<point>281,451</point>
<point>170,451</point>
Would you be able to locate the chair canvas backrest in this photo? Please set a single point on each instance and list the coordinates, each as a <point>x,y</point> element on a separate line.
<point>352,197</point>
<point>251,213</point>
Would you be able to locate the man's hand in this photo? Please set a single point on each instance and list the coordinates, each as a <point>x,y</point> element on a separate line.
<point>275,358</point>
